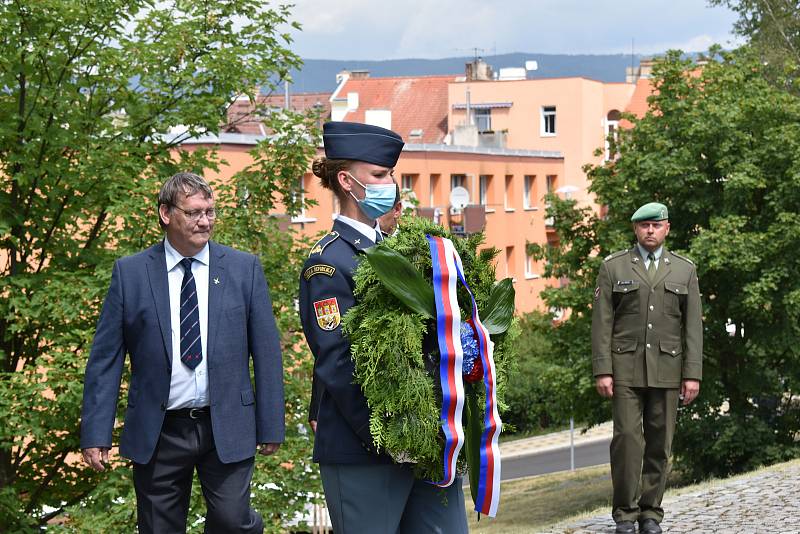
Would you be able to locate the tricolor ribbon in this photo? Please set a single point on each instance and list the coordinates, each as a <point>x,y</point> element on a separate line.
<point>447,271</point>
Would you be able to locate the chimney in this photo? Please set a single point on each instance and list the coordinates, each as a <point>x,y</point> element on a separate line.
<point>644,70</point>
<point>478,70</point>
<point>342,75</point>
<point>359,74</point>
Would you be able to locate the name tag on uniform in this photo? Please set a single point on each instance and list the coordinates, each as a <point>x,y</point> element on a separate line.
<point>624,282</point>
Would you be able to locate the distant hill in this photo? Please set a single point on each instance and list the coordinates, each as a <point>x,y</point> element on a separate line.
<point>319,75</point>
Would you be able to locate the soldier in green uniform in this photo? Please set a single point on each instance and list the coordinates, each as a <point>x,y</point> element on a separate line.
<point>647,350</point>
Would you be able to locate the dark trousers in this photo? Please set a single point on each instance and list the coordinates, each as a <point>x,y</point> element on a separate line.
<point>387,499</point>
<point>644,423</point>
<point>163,486</point>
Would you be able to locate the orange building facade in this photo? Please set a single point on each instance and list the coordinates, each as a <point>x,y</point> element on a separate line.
<point>506,183</point>
<point>570,115</point>
<point>508,142</point>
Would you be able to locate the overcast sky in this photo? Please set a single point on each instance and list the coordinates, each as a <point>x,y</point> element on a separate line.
<point>381,29</point>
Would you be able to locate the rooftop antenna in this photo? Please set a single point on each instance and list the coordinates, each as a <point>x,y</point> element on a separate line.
<point>632,42</point>
<point>475,51</point>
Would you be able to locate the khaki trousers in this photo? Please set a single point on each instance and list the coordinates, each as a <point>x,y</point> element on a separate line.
<point>644,424</point>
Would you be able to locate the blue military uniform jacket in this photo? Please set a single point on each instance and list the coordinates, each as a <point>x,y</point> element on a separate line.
<point>339,405</point>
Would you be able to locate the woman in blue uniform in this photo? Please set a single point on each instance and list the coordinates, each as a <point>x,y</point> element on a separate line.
<point>366,491</point>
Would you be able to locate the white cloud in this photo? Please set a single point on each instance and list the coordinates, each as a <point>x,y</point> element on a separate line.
<point>380,29</point>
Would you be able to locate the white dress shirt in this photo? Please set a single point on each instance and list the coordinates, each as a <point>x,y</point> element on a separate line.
<point>643,252</point>
<point>366,230</point>
<point>188,388</point>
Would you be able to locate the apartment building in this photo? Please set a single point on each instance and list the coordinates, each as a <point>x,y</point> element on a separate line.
<point>570,115</point>
<point>506,139</point>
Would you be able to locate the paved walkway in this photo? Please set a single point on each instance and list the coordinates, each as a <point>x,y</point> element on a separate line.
<point>765,502</point>
<point>556,440</point>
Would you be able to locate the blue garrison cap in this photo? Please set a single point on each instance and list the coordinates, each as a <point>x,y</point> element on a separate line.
<point>652,211</point>
<point>361,142</point>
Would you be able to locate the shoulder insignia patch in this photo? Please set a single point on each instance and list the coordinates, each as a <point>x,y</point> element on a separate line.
<point>319,269</point>
<point>327,312</point>
<point>684,258</point>
<point>324,242</point>
<point>615,254</point>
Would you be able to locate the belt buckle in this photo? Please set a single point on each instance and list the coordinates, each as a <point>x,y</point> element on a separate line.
<point>195,413</point>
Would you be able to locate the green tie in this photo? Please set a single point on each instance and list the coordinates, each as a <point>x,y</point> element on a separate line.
<point>651,269</point>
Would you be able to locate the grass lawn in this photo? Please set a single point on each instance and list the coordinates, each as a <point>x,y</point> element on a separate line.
<point>530,503</point>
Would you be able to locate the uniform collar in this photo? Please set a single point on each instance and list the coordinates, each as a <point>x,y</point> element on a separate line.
<point>643,252</point>
<point>351,235</point>
<point>364,229</point>
<point>174,257</point>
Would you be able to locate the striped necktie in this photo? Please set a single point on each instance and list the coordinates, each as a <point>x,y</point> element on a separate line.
<point>651,269</point>
<point>191,344</point>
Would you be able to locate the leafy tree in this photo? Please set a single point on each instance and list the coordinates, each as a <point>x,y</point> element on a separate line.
<point>773,28</point>
<point>719,146</point>
<point>533,396</point>
<point>97,98</point>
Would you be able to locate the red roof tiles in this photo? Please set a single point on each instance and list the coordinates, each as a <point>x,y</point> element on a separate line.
<point>416,103</point>
<point>638,102</point>
<point>242,119</point>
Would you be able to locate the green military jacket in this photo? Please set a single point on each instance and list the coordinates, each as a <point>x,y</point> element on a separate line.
<point>643,333</point>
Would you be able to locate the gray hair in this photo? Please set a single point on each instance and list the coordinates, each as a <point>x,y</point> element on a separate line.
<point>187,183</point>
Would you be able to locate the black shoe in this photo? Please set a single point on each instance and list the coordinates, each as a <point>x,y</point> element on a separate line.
<point>649,526</point>
<point>625,527</point>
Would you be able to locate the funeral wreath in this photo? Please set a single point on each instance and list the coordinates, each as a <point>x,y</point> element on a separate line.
<point>398,333</point>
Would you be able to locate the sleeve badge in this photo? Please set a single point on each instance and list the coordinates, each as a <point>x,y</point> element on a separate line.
<point>327,311</point>
<point>320,268</point>
<point>597,293</point>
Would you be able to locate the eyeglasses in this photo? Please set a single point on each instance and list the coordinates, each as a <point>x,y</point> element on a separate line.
<point>195,215</point>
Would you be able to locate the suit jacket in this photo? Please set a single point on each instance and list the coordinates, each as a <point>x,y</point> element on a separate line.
<point>338,405</point>
<point>647,333</point>
<point>135,320</point>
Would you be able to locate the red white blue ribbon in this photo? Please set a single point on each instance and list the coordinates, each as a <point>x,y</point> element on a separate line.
<point>447,270</point>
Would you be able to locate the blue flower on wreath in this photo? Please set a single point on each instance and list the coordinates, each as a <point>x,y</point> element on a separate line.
<point>470,345</point>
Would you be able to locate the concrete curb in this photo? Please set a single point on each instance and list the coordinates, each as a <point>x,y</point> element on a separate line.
<point>552,447</point>
<point>554,441</point>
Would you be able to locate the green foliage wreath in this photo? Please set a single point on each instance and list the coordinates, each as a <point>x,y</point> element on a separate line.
<point>395,350</point>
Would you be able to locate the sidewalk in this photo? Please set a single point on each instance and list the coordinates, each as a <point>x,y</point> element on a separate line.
<point>556,440</point>
<point>766,501</point>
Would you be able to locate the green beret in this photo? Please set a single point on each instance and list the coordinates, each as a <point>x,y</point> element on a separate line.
<point>653,211</point>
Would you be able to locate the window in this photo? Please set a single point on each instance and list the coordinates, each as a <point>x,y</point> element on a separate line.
<point>434,184</point>
<point>508,200</point>
<point>458,180</point>
<point>510,262</point>
<point>483,119</point>
<point>529,263</point>
<point>551,183</point>
<point>612,124</point>
<point>484,183</point>
<point>548,126</point>
<point>299,199</point>
<point>408,181</point>
<point>529,193</point>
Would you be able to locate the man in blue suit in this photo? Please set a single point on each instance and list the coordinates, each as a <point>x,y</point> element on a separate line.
<point>191,314</point>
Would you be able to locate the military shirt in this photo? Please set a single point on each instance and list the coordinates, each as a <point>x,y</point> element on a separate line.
<point>326,293</point>
<point>647,334</point>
